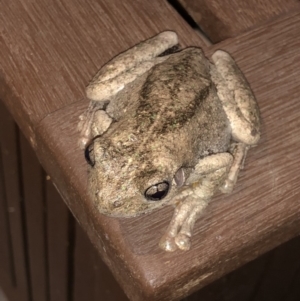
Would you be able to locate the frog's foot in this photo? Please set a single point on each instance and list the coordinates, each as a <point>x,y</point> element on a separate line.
<point>239,153</point>
<point>179,233</point>
<point>208,175</point>
<point>93,122</point>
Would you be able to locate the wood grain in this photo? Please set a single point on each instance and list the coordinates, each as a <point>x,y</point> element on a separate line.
<point>274,276</point>
<point>44,73</point>
<point>220,20</point>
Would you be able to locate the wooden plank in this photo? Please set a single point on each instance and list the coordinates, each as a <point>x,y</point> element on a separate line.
<point>7,268</point>
<point>238,285</point>
<point>33,196</point>
<point>6,263</point>
<point>294,289</point>
<point>262,213</point>
<point>59,245</point>
<point>273,276</point>
<point>93,281</point>
<point>84,271</point>
<point>220,20</point>
<point>106,286</point>
<point>280,274</point>
<point>13,192</point>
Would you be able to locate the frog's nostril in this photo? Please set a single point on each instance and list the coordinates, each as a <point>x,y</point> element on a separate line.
<point>157,192</point>
<point>118,204</point>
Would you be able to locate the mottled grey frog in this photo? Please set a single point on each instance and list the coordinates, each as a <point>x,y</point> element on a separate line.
<point>166,127</point>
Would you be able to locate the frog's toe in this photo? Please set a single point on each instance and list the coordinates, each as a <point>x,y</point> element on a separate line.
<point>83,142</point>
<point>80,125</point>
<point>183,242</point>
<point>227,186</point>
<point>167,243</point>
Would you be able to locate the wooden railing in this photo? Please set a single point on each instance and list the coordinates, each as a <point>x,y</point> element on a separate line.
<point>49,51</point>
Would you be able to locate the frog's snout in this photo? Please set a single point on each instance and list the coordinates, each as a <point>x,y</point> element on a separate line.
<point>157,191</point>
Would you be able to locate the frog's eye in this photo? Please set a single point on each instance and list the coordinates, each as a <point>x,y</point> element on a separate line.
<point>89,154</point>
<point>157,192</point>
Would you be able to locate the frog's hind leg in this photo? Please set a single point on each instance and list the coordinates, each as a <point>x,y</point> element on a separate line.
<point>129,65</point>
<point>239,152</point>
<point>237,98</point>
<point>241,109</point>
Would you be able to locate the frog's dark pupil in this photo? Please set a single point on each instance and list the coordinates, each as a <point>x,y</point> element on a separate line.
<point>89,154</point>
<point>157,192</point>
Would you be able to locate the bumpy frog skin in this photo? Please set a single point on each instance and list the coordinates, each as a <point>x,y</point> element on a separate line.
<point>166,129</point>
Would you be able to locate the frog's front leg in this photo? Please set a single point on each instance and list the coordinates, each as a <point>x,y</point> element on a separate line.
<point>208,176</point>
<point>241,109</point>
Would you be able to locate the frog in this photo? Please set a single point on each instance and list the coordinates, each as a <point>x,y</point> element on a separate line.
<point>166,126</point>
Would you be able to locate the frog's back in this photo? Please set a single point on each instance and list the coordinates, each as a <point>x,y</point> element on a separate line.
<point>178,101</point>
<point>175,109</point>
<point>173,91</point>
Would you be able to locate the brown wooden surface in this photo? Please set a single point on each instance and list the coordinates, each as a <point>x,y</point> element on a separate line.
<point>219,19</point>
<point>17,277</point>
<point>43,73</point>
<point>6,260</point>
<point>60,247</point>
<point>275,276</point>
<point>92,279</point>
<point>34,244</point>
<point>34,227</point>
